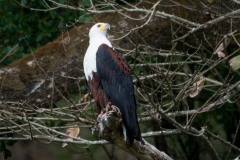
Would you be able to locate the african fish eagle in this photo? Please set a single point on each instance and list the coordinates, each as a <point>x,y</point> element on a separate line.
<point>109,80</point>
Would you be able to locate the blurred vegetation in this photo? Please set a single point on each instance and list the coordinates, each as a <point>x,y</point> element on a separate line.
<point>23,30</point>
<point>26,29</point>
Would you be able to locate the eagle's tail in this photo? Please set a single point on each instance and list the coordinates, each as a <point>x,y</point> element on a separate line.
<point>133,130</point>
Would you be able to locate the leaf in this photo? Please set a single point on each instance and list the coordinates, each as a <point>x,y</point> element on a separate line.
<point>198,86</point>
<point>235,62</point>
<point>85,98</point>
<point>219,51</point>
<point>223,45</point>
<point>39,38</point>
<point>23,2</point>
<point>71,133</point>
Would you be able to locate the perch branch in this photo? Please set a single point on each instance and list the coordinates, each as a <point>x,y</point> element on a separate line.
<point>108,128</point>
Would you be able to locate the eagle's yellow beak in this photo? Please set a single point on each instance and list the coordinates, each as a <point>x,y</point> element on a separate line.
<point>104,26</point>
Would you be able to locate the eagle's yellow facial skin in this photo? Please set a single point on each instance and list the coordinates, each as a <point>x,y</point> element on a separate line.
<point>102,26</point>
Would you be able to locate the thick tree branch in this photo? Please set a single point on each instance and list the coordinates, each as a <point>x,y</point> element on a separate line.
<point>109,123</point>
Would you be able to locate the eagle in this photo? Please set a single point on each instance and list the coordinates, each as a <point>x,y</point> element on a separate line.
<point>109,80</point>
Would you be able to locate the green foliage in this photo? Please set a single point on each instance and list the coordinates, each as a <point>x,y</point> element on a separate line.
<point>31,29</point>
<point>235,62</point>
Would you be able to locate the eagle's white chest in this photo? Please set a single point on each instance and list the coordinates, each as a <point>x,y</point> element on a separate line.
<point>89,61</point>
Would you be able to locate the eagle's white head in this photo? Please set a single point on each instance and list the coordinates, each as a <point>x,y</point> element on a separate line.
<point>98,36</point>
<point>99,29</point>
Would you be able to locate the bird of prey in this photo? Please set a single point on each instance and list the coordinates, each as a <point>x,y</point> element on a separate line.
<point>109,80</point>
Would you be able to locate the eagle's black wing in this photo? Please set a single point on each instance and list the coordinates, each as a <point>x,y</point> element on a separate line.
<point>118,87</point>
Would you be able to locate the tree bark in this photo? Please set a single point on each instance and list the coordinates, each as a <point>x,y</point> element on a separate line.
<point>109,128</point>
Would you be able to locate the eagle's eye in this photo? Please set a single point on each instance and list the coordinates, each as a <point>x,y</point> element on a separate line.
<point>99,25</point>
